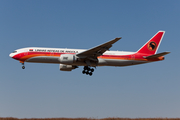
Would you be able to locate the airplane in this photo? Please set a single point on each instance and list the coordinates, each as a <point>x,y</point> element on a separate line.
<point>100,55</point>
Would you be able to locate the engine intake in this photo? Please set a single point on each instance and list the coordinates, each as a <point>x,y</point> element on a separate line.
<point>67,58</point>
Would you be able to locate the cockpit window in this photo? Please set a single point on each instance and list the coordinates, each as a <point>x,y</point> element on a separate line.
<point>14,51</point>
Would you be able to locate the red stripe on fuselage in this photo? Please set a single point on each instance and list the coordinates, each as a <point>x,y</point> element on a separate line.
<point>137,56</point>
<point>26,55</point>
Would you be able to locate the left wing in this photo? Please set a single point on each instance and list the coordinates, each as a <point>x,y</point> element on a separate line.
<point>98,50</point>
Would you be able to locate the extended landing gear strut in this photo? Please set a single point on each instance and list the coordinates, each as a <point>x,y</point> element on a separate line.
<point>87,70</point>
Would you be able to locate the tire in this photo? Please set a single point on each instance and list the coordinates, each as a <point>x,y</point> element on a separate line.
<point>92,70</point>
<point>83,71</point>
<point>88,69</point>
<point>85,67</point>
<point>23,67</point>
<point>90,73</point>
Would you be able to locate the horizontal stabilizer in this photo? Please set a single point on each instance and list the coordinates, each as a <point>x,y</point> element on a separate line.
<point>157,55</point>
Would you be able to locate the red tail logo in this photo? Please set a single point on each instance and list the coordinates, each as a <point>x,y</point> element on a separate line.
<point>152,45</point>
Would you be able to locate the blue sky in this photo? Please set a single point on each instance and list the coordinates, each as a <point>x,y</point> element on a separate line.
<point>41,90</point>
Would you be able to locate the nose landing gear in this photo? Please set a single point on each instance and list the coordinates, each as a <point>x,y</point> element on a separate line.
<point>23,67</point>
<point>87,70</point>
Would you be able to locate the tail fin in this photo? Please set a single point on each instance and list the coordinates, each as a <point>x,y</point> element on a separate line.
<point>152,45</point>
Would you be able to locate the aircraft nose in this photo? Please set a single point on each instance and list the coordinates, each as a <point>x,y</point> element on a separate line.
<point>11,55</point>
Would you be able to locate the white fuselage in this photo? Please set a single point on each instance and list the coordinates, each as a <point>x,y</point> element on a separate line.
<point>52,55</point>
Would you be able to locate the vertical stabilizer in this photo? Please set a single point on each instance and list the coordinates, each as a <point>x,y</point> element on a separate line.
<point>152,45</point>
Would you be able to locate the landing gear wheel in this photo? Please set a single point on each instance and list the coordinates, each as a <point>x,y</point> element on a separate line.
<point>86,67</point>
<point>83,71</point>
<point>92,70</point>
<point>87,70</point>
<point>90,73</point>
<point>23,67</point>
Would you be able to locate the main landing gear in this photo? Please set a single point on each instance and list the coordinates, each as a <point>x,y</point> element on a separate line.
<point>87,70</point>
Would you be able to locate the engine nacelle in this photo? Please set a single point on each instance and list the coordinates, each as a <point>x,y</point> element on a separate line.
<point>64,67</point>
<point>67,58</point>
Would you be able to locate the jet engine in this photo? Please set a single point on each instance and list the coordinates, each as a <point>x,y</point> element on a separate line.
<point>64,67</point>
<point>67,58</point>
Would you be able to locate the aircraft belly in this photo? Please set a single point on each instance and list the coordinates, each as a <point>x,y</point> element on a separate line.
<point>102,62</point>
<point>44,59</point>
<point>112,62</point>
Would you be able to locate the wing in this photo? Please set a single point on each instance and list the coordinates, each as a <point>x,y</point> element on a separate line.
<point>98,50</point>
